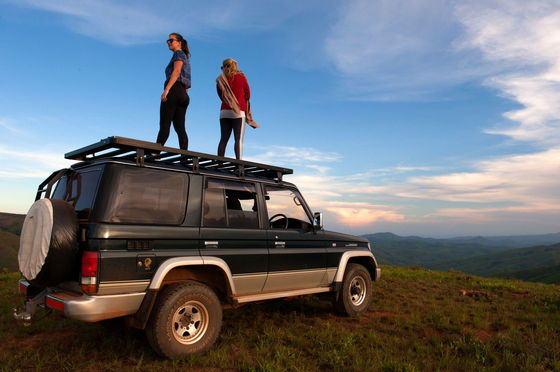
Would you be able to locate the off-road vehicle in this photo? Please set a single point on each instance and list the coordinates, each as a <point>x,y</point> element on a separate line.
<point>166,238</point>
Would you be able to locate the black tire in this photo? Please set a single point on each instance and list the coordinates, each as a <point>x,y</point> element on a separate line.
<point>186,319</point>
<point>47,262</point>
<point>356,292</point>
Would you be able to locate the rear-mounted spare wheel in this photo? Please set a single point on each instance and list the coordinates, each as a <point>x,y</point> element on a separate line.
<point>48,249</point>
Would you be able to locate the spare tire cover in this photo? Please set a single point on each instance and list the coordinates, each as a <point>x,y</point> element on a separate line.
<point>48,249</point>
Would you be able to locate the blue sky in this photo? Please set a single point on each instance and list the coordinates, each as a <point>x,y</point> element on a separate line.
<point>433,117</point>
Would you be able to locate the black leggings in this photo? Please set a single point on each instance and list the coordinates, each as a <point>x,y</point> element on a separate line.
<point>226,126</point>
<point>174,109</point>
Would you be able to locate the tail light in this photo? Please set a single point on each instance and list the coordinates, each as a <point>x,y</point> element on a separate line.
<point>89,272</point>
<point>23,288</point>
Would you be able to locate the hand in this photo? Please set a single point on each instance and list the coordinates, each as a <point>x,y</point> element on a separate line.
<point>164,96</point>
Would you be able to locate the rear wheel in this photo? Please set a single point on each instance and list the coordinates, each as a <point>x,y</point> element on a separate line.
<point>355,294</point>
<point>186,320</point>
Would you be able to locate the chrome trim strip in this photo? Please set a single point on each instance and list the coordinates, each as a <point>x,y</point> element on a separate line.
<point>272,295</point>
<point>237,276</point>
<point>115,287</point>
<point>344,261</point>
<point>294,271</point>
<point>294,280</point>
<point>96,308</point>
<point>331,272</point>
<point>250,283</point>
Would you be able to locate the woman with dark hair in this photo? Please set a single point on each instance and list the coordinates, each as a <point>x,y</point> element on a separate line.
<point>175,98</point>
<point>233,90</point>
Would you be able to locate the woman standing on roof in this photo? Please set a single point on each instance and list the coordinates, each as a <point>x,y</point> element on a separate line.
<point>233,90</point>
<point>175,98</point>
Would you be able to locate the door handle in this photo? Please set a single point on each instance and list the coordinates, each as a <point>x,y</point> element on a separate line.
<point>280,244</point>
<point>213,244</point>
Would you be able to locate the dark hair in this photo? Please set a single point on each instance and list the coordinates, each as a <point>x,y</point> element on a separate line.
<point>184,44</point>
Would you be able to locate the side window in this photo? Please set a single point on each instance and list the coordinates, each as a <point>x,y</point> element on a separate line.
<point>78,188</point>
<point>285,209</point>
<point>230,204</point>
<point>146,196</point>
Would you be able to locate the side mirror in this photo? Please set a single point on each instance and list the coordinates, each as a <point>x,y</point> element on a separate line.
<point>318,220</point>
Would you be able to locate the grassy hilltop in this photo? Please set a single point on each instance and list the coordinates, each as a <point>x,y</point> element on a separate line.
<point>419,320</point>
<point>10,228</point>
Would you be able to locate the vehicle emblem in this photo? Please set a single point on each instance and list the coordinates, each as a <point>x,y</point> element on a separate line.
<point>147,263</point>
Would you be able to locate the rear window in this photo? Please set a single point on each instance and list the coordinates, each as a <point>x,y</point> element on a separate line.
<point>78,188</point>
<point>146,196</point>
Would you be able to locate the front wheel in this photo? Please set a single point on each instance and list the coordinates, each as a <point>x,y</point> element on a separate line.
<point>186,320</point>
<point>355,294</point>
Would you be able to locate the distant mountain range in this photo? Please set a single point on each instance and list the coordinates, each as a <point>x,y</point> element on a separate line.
<point>525,257</point>
<point>517,263</point>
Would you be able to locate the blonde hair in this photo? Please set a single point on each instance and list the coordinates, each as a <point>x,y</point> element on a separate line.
<point>230,67</point>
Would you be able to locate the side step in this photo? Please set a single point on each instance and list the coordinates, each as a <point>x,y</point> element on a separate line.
<point>273,295</point>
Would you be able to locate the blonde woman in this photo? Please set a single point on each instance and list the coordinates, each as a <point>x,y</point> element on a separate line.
<point>233,90</point>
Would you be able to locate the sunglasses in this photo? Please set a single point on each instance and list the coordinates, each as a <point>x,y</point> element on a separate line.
<point>169,41</point>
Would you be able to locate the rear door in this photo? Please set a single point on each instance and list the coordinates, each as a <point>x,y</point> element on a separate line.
<point>231,230</point>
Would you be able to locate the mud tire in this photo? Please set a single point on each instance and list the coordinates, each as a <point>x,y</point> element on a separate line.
<point>356,292</point>
<point>186,320</point>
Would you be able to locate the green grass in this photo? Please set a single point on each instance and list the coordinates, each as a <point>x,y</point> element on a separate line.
<point>418,321</point>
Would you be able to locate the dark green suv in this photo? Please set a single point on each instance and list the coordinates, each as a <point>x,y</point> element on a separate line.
<point>166,238</point>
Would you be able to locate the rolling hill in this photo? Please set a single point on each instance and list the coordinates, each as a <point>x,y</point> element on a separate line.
<point>509,261</point>
<point>548,274</point>
<point>11,222</point>
<point>391,249</point>
<point>485,256</point>
<point>10,228</point>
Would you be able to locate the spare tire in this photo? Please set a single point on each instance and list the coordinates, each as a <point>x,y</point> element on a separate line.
<point>48,247</point>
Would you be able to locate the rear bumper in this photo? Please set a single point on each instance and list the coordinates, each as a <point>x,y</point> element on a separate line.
<point>377,274</point>
<point>85,307</point>
<point>94,308</point>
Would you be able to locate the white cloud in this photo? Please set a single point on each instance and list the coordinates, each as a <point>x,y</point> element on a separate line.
<point>524,37</point>
<point>290,156</point>
<point>359,213</point>
<point>11,126</point>
<point>142,21</point>
<point>116,21</point>
<point>32,163</point>
<point>342,198</point>
<point>526,180</point>
<point>398,49</point>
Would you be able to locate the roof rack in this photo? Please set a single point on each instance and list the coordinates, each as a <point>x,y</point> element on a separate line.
<point>143,151</point>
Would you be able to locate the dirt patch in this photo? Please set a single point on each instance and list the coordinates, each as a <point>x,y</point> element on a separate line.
<point>379,314</point>
<point>432,333</point>
<point>480,334</point>
<point>519,294</point>
<point>62,338</point>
